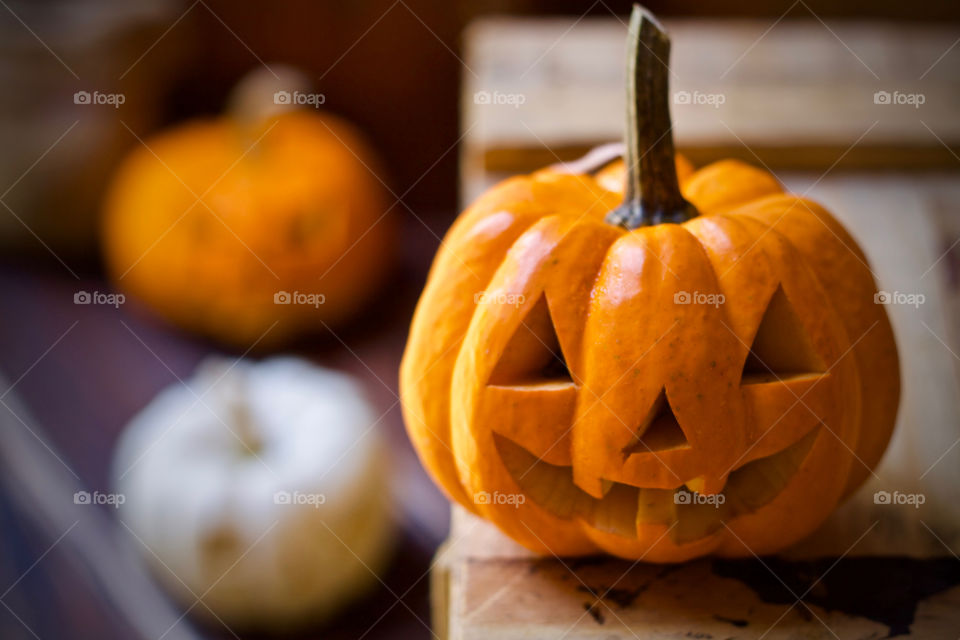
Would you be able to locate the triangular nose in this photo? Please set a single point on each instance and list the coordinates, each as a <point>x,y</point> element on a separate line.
<point>659,430</point>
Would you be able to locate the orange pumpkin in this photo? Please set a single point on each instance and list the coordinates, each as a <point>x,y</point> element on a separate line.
<point>250,229</point>
<point>661,371</point>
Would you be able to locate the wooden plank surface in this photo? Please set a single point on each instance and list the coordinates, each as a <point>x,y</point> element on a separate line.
<point>496,591</point>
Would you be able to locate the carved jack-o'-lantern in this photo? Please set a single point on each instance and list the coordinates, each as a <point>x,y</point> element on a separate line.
<point>660,371</point>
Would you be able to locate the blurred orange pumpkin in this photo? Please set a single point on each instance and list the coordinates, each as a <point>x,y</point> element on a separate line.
<point>250,228</point>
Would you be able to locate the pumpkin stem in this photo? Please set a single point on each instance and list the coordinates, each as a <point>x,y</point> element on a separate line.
<point>235,395</point>
<point>652,194</point>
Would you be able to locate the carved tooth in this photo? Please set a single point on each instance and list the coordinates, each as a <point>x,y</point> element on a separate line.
<point>605,486</point>
<point>708,485</point>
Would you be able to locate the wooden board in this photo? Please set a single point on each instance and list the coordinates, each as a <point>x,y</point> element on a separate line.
<point>872,571</point>
<point>797,93</point>
<point>486,587</point>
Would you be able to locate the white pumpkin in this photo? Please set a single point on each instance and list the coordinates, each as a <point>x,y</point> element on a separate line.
<point>260,489</point>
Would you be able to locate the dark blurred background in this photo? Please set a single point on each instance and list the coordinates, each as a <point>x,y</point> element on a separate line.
<point>392,67</point>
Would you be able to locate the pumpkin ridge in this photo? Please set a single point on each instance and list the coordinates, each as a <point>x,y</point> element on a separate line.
<point>438,456</point>
<point>459,235</point>
<point>555,250</point>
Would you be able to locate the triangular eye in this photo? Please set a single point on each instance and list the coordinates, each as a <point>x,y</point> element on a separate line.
<point>659,431</point>
<point>533,355</point>
<point>781,349</point>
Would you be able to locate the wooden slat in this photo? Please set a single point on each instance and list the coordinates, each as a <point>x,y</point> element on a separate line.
<point>798,94</point>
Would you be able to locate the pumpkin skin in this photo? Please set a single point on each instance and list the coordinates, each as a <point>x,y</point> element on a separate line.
<point>610,294</point>
<point>298,212</point>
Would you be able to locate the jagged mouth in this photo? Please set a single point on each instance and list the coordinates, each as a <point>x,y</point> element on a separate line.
<point>624,508</point>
